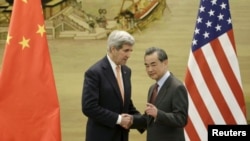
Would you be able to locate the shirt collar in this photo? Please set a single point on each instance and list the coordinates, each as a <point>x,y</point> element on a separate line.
<point>112,63</point>
<point>163,79</point>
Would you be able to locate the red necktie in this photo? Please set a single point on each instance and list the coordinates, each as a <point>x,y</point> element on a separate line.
<point>154,94</point>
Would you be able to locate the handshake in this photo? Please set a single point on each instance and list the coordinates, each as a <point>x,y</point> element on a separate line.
<point>127,120</point>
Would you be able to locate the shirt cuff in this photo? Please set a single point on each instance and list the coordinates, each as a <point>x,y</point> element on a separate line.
<point>119,120</point>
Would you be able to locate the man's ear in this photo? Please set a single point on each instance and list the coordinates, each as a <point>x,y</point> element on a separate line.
<point>112,49</point>
<point>165,62</point>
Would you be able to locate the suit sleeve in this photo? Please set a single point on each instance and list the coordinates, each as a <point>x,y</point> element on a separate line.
<point>90,101</point>
<point>179,114</point>
<point>139,122</point>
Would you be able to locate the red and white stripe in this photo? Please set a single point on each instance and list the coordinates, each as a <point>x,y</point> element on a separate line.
<point>214,86</point>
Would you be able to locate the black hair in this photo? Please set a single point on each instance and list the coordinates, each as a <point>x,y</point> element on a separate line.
<point>162,55</point>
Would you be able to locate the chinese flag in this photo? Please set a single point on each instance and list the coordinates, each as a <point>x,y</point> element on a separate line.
<point>29,107</point>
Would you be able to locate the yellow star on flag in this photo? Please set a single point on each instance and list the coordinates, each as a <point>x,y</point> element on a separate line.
<point>27,80</point>
<point>41,30</point>
<point>8,39</point>
<point>24,43</point>
<point>25,1</point>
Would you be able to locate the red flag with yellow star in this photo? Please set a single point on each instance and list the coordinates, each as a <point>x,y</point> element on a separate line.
<point>29,107</point>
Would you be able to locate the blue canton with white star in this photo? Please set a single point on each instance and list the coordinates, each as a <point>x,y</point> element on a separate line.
<point>213,20</point>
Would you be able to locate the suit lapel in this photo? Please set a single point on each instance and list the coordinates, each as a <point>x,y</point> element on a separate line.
<point>150,93</point>
<point>163,91</point>
<point>125,82</point>
<point>110,76</point>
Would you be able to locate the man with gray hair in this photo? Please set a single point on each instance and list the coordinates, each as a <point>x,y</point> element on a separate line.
<point>106,95</point>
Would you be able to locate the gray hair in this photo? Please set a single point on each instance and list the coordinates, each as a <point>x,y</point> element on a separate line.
<point>162,55</point>
<point>118,38</point>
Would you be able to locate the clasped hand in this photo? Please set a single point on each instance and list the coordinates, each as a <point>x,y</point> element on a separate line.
<point>127,120</point>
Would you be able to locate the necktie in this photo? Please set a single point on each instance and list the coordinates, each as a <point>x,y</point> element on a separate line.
<point>154,94</point>
<point>119,80</point>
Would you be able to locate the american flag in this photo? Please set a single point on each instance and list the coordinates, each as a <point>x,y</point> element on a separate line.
<point>213,77</point>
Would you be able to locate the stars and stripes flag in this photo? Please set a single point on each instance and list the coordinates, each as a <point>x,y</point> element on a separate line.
<point>29,107</point>
<point>213,77</point>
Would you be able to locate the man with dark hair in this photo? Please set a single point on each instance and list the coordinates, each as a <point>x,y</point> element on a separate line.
<point>166,113</point>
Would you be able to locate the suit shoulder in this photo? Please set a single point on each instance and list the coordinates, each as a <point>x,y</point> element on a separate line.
<point>125,67</point>
<point>97,65</point>
<point>176,81</point>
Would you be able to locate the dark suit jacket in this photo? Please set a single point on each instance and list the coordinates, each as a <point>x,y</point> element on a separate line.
<point>102,102</point>
<point>172,105</point>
